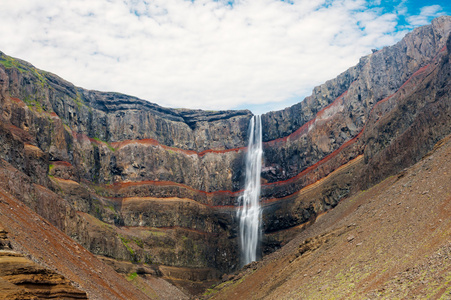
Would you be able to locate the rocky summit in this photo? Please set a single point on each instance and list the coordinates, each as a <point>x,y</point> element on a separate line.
<point>107,196</point>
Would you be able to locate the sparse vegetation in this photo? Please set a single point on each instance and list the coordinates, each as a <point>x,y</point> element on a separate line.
<point>156,233</point>
<point>138,242</point>
<point>9,62</point>
<point>105,143</point>
<point>126,242</point>
<point>132,276</point>
<point>34,103</point>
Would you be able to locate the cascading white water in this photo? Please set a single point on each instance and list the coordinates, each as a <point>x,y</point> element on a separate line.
<point>250,211</point>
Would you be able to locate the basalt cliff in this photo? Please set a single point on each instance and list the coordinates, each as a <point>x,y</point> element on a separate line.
<point>152,191</point>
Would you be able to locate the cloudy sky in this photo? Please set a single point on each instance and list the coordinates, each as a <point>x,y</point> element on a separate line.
<point>212,54</point>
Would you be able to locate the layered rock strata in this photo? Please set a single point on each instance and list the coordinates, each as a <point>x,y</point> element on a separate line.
<point>21,278</point>
<point>391,241</point>
<point>163,183</point>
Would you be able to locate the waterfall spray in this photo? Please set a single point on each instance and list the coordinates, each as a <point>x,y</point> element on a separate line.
<point>250,211</point>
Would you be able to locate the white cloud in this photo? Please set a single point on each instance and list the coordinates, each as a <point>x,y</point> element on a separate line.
<point>426,13</point>
<point>198,54</point>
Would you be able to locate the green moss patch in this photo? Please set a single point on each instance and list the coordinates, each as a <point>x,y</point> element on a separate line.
<point>132,276</point>
<point>105,143</point>
<point>126,242</point>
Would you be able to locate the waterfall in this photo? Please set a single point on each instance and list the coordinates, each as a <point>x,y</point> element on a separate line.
<point>250,212</point>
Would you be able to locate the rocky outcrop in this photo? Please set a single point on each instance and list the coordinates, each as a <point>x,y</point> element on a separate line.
<point>134,181</point>
<point>21,278</point>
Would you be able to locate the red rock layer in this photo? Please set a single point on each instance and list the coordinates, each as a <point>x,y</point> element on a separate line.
<point>303,130</point>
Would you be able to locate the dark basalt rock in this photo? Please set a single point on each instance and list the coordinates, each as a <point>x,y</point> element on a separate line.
<point>116,117</point>
<point>136,181</point>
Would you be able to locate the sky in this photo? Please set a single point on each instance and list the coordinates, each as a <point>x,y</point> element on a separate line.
<point>260,55</point>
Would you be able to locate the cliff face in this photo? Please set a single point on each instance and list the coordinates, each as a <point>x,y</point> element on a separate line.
<point>124,177</point>
<point>387,111</point>
<point>131,180</point>
<point>391,241</point>
<point>38,261</point>
<point>338,111</point>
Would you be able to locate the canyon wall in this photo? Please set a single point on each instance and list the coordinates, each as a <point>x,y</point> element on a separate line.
<point>135,181</point>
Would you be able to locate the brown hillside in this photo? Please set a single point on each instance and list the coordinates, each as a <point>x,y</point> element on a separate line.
<point>392,241</point>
